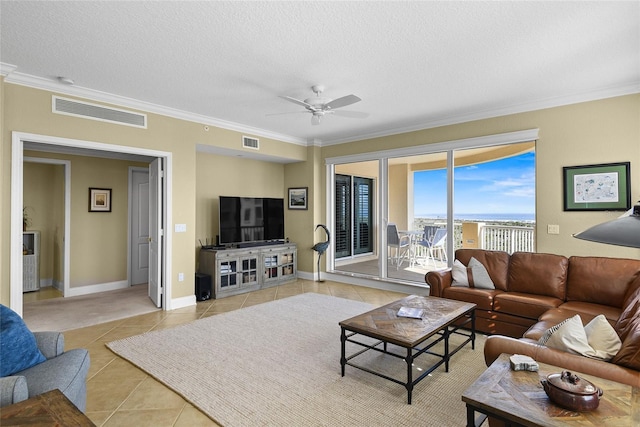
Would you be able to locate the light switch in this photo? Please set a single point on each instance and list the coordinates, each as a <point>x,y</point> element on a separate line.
<point>181,228</point>
<point>180,277</point>
<point>553,229</point>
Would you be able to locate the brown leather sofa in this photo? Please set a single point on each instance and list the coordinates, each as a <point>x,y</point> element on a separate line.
<point>534,291</point>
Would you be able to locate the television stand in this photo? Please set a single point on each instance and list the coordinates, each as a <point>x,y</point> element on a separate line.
<point>244,269</point>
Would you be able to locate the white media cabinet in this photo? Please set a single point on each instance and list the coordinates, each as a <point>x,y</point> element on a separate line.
<point>239,270</point>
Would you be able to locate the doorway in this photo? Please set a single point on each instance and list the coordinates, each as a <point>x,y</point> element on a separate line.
<point>138,226</point>
<point>78,147</point>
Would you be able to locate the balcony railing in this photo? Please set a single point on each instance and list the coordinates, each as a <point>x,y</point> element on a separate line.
<point>496,237</point>
<point>507,238</point>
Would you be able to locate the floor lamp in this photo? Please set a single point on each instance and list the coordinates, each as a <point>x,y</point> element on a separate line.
<point>623,231</point>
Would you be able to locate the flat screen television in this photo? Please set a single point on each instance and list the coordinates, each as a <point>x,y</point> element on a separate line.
<point>250,219</point>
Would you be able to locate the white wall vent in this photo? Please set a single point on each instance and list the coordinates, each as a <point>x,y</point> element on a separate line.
<point>248,142</point>
<point>72,107</point>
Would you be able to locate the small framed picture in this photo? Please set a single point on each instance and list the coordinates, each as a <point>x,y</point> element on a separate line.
<point>298,198</point>
<point>603,187</point>
<point>99,200</point>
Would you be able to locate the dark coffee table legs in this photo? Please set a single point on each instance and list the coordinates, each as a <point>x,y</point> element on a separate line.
<point>343,357</point>
<point>409,384</point>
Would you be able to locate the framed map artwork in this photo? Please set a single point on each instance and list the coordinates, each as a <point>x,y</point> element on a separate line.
<point>603,187</point>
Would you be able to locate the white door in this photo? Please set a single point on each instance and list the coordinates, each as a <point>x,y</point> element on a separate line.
<point>139,227</point>
<point>155,232</point>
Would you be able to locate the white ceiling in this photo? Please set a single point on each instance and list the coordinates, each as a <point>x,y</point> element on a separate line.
<point>414,64</point>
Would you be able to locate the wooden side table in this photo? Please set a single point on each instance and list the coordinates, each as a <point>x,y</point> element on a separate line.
<point>518,399</point>
<point>49,409</point>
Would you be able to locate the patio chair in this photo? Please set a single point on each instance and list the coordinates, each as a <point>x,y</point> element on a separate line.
<point>401,244</point>
<point>436,245</point>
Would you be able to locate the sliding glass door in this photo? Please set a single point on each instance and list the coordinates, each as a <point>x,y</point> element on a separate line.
<point>402,213</point>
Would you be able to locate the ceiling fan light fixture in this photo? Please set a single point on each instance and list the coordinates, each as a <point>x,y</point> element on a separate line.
<point>319,106</point>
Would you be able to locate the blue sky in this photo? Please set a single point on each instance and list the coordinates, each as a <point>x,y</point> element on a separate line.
<point>501,186</point>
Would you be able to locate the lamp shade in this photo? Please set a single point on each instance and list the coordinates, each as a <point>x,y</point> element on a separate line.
<point>623,231</point>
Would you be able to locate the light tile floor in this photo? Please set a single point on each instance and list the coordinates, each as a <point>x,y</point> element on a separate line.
<point>119,394</point>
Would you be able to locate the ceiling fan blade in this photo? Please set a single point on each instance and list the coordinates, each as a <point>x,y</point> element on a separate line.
<point>342,102</point>
<point>297,101</point>
<point>287,112</point>
<point>351,114</point>
<point>315,120</point>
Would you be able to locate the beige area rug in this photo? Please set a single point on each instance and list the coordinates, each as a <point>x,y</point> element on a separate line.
<point>63,314</point>
<point>278,364</point>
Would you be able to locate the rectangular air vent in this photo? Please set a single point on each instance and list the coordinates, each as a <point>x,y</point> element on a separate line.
<point>72,107</point>
<point>248,142</point>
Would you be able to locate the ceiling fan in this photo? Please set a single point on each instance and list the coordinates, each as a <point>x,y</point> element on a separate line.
<point>319,106</point>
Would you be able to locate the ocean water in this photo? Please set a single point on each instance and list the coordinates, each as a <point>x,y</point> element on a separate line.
<point>525,217</point>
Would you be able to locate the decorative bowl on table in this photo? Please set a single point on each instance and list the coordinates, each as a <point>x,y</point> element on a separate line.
<point>572,392</point>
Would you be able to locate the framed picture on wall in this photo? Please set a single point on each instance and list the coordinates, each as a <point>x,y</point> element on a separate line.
<point>99,200</point>
<point>298,198</point>
<point>603,187</point>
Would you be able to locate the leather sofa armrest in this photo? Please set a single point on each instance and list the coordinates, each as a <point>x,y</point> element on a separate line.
<point>438,280</point>
<point>51,344</point>
<point>13,389</point>
<point>497,344</point>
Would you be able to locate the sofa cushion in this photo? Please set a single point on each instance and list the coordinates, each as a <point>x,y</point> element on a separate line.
<point>568,336</point>
<point>597,339</point>
<point>460,277</point>
<point>601,280</point>
<point>474,275</point>
<point>18,349</point>
<point>525,305</point>
<point>629,354</point>
<point>633,293</point>
<point>624,324</point>
<point>483,298</point>
<point>602,338</point>
<point>538,274</point>
<point>592,309</point>
<point>496,263</point>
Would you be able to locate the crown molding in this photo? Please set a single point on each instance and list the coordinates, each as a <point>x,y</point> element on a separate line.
<point>6,69</point>
<point>96,95</point>
<point>558,101</point>
<point>11,76</point>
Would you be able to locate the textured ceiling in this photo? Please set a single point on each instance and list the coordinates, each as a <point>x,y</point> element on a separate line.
<point>414,64</point>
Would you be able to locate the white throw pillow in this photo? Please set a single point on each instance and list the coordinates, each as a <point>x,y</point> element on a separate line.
<point>480,274</point>
<point>459,274</point>
<point>602,338</point>
<point>568,336</point>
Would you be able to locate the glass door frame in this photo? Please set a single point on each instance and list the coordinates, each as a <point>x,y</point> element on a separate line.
<point>383,184</point>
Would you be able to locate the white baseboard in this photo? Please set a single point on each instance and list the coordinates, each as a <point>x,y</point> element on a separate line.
<point>101,287</point>
<point>370,283</point>
<point>176,303</point>
<point>46,282</point>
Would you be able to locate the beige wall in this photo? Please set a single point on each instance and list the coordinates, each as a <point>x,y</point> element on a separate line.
<point>587,133</point>
<point>219,176</point>
<point>95,236</point>
<point>28,110</point>
<point>299,224</point>
<point>43,210</point>
<point>594,132</point>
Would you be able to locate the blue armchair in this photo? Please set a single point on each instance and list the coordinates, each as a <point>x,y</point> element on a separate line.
<point>66,371</point>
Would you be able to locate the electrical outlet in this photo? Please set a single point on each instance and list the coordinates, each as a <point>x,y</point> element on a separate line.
<point>553,229</point>
<point>180,277</point>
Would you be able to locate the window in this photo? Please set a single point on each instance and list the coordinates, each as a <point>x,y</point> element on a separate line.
<point>353,215</point>
<point>463,189</point>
